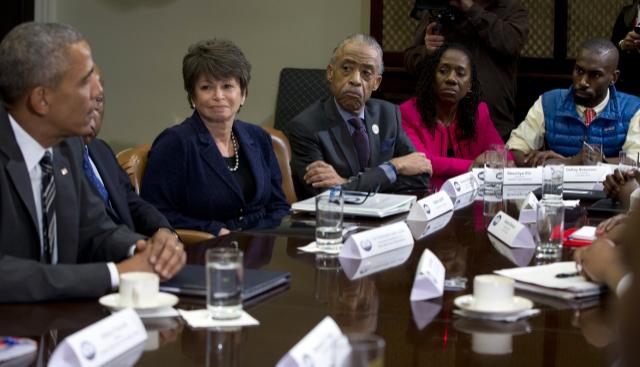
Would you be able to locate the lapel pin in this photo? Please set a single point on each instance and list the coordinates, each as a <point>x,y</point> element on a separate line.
<point>64,171</point>
<point>375,129</point>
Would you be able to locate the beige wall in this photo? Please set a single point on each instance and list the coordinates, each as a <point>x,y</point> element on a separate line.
<point>140,44</point>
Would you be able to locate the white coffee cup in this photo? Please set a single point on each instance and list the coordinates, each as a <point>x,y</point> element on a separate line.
<point>492,293</point>
<point>139,289</point>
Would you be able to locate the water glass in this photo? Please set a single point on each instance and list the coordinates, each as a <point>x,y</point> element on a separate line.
<point>494,164</point>
<point>552,182</point>
<point>627,161</point>
<point>591,153</point>
<point>329,214</point>
<point>225,276</point>
<point>550,229</point>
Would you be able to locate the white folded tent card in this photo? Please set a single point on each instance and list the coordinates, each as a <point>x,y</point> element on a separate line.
<point>323,346</point>
<point>510,231</point>
<point>429,280</point>
<point>358,268</point>
<point>460,185</point>
<point>430,207</point>
<point>377,241</point>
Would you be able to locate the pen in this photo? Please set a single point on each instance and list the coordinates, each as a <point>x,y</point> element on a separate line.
<point>568,275</point>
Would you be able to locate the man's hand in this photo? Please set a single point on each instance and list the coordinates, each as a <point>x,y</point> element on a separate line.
<point>167,253</point>
<point>323,175</point>
<point>601,262</point>
<point>412,164</point>
<point>139,261</point>
<point>463,5</point>
<point>432,41</point>
<point>612,228</point>
<point>614,184</point>
<point>536,158</point>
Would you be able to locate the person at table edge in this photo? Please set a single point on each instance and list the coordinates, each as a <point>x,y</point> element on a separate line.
<point>56,240</point>
<point>350,139</point>
<point>591,110</point>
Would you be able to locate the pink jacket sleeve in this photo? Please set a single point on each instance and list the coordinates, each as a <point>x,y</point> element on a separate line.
<point>430,145</point>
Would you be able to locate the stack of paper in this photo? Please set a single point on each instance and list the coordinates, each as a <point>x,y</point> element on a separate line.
<point>543,279</point>
<point>377,205</point>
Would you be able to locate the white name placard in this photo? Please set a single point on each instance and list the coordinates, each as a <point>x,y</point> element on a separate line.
<point>429,280</point>
<point>529,209</point>
<point>421,229</point>
<point>464,200</point>
<point>586,173</point>
<point>478,174</point>
<point>377,241</point>
<point>460,185</point>
<point>358,268</point>
<point>425,311</point>
<point>518,256</point>
<point>511,192</point>
<point>523,176</point>
<point>102,342</point>
<point>510,231</point>
<point>430,207</point>
<point>321,347</point>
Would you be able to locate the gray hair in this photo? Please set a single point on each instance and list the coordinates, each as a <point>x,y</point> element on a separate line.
<point>34,54</point>
<point>359,38</point>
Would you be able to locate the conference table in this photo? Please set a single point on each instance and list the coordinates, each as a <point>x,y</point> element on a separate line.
<point>416,333</point>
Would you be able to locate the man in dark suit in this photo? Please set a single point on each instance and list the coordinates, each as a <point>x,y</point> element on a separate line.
<point>111,182</point>
<point>56,240</point>
<point>350,139</point>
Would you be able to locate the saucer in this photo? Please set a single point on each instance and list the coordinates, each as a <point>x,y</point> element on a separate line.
<point>112,302</point>
<point>518,305</point>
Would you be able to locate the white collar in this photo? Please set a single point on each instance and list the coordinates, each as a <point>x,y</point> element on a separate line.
<point>598,108</point>
<point>31,150</point>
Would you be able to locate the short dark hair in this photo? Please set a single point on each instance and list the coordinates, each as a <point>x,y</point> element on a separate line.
<point>34,54</point>
<point>603,47</point>
<point>426,96</point>
<point>217,58</point>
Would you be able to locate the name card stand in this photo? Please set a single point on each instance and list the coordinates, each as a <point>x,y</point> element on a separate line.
<point>421,229</point>
<point>460,185</point>
<point>529,209</point>
<point>102,342</point>
<point>377,241</point>
<point>323,346</point>
<point>510,231</point>
<point>586,173</point>
<point>523,176</point>
<point>429,280</point>
<point>358,268</point>
<point>430,207</point>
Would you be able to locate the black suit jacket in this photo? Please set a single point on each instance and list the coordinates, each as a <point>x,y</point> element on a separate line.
<point>87,238</point>
<point>320,133</point>
<point>126,206</point>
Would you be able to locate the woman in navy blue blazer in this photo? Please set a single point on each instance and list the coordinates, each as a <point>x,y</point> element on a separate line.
<point>212,172</point>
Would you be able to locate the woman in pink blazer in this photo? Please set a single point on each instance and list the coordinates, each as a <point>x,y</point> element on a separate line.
<point>446,120</point>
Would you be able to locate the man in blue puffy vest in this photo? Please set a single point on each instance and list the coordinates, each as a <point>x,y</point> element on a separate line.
<point>590,111</point>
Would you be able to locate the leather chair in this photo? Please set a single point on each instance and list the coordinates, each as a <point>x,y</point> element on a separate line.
<point>134,161</point>
<point>282,150</point>
<point>297,90</point>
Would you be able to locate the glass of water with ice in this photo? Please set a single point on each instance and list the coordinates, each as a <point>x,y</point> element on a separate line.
<point>329,214</point>
<point>225,275</point>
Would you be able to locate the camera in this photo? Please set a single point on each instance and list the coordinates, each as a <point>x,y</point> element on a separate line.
<point>439,11</point>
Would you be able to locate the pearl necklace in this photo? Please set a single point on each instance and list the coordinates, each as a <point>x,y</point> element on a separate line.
<point>235,152</point>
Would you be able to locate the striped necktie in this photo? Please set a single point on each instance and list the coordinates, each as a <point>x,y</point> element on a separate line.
<point>48,207</point>
<point>589,116</point>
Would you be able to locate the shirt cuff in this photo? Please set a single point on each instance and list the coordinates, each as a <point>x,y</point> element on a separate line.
<point>389,171</point>
<point>115,276</point>
<point>624,284</point>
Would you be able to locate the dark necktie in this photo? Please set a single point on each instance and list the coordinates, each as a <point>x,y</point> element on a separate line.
<point>361,141</point>
<point>48,207</point>
<point>95,181</point>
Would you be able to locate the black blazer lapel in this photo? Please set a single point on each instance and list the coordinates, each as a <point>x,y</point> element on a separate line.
<point>210,154</point>
<point>16,167</point>
<point>341,135</point>
<point>251,150</point>
<point>373,131</point>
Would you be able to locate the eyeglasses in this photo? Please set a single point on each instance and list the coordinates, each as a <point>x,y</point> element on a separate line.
<point>359,197</point>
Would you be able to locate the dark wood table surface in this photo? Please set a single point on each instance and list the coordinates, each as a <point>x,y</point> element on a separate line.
<point>416,334</point>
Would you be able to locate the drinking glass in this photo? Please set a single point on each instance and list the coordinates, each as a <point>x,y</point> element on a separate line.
<point>494,164</point>
<point>329,214</point>
<point>366,350</point>
<point>552,182</point>
<point>627,161</point>
<point>592,153</point>
<point>550,229</point>
<point>225,275</point>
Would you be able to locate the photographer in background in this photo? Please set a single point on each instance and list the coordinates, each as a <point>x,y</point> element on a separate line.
<point>628,42</point>
<point>495,31</point>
